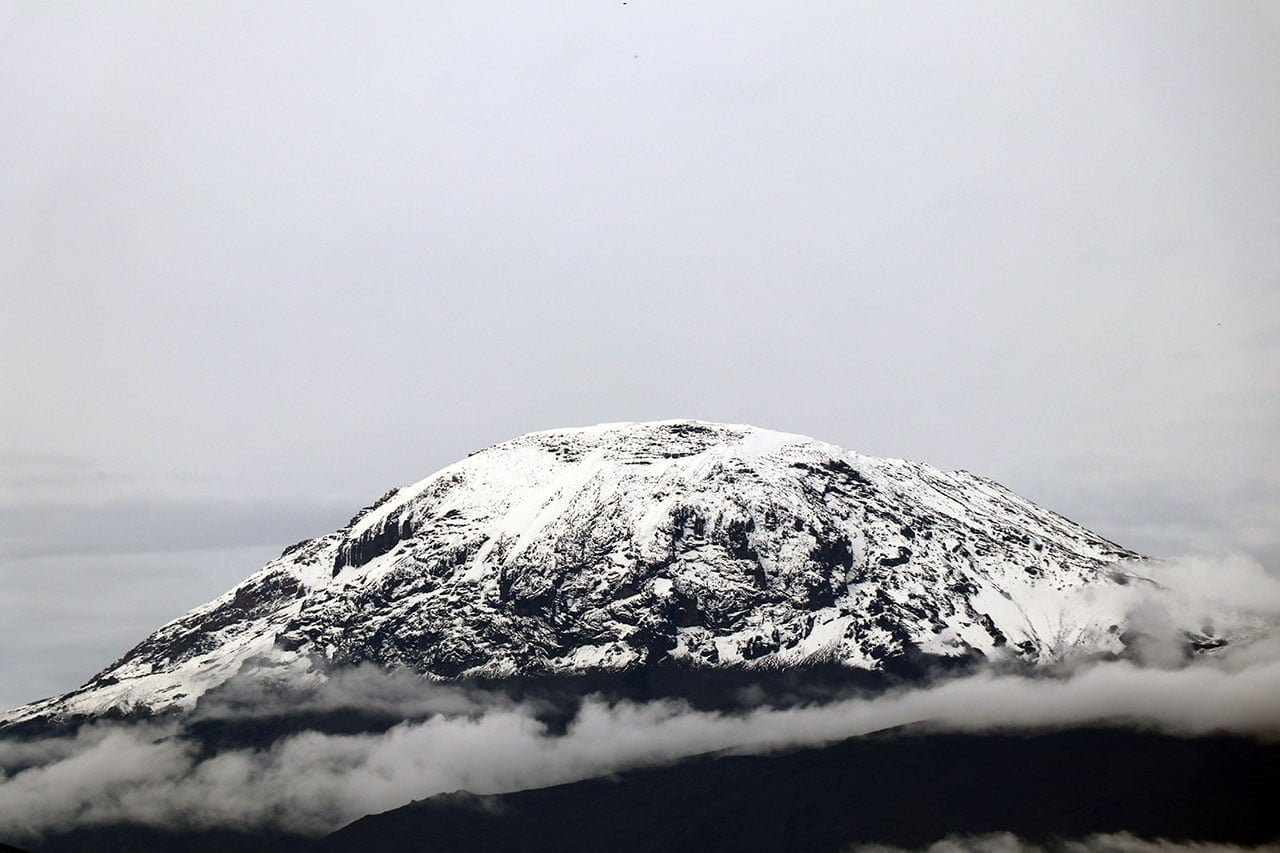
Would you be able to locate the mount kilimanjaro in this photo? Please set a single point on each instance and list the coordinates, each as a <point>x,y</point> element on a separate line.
<point>622,547</point>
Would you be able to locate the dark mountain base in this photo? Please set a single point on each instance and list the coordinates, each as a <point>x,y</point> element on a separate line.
<point>129,838</point>
<point>733,688</point>
<point>907,790</point>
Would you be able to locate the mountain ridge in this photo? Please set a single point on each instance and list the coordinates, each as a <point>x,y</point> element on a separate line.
<point>624,545</point>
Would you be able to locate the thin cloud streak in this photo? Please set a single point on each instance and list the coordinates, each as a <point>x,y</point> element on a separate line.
<point>1117,842</point>
<point>155,524</point>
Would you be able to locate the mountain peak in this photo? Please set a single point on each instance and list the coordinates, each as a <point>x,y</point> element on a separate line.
<point>632,545</point>
<point>680,432</point>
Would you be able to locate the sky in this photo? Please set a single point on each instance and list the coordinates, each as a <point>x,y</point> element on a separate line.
<point>259,263</point>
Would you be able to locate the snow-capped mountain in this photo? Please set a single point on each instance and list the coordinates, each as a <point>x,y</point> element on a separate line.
<point>622,545</point>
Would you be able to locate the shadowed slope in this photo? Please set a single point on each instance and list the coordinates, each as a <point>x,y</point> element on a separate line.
<point>902,789</point>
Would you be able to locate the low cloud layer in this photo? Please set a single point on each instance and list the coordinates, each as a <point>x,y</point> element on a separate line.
<point>1119,842</point>
<point>458,738</point>
<point>315,782</point>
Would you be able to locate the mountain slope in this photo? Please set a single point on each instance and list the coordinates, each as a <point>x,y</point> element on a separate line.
<point>624,545</point>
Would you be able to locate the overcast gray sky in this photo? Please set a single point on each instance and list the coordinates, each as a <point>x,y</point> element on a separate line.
<point>261,262</point>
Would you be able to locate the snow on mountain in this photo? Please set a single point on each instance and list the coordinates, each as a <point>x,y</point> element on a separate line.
<point>621,545</point>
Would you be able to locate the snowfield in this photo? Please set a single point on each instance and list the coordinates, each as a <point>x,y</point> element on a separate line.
<point>625,545</point>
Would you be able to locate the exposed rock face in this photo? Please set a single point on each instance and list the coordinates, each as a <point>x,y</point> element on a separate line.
<point>618,546</point>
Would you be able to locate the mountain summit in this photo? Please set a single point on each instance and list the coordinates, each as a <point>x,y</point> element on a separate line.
<point>625,546</point>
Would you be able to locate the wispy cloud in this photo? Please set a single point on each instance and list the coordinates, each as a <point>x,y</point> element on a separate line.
<point>1119,842</point>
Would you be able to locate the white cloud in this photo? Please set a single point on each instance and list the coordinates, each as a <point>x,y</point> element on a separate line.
<point>314,782</point>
